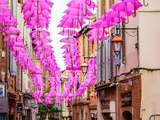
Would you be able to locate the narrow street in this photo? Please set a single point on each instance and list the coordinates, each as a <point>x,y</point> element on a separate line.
<point>79,60</point>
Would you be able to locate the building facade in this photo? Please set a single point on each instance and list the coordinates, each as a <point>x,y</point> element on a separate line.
<point>128,68</point>
<point>66,113</point>
<point>84,107</point>
<point>3,81</point>
<point>15,83</point>
<point>148,45</point>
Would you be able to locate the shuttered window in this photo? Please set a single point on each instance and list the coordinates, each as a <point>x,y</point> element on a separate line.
<point>99,61</point>
<point>109,59</point>
<point>104,60</point>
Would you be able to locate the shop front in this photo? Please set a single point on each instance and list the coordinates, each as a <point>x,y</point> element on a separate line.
<point>3,108</point>
<point>12,106</point>
<point>107,101</point>
<point>28,102</point>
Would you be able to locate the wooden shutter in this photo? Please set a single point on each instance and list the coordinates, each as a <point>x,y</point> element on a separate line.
<point>109,59</point>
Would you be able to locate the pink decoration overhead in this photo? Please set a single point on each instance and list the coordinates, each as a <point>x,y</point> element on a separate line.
<point>91,77</point>
<point>75,17</point>
<point>97,34</point>
<point>15,42</point>
<point>32,13</point>
<point>37,17</point>
<point>70,32</point>
<point>119,12</point>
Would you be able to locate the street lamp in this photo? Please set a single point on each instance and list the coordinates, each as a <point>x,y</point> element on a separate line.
<point>145,3</point>
<point>117,46</point>
<point>84,68</point>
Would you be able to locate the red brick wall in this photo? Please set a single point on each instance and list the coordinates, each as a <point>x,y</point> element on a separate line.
<point>136,98</point>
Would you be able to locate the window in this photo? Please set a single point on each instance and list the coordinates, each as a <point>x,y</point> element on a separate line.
<point>90,47</point>
<point>99,60</point>
<point>103,7</point>
<point>84,46</point>
<point>104,61</point>
<point>12,64</point>
<point>20,1</point>
<point>109,60</point>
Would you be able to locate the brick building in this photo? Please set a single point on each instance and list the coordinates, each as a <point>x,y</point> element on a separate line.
<point>128,68</point>
<point>129,98</point>
<point>119,90</point>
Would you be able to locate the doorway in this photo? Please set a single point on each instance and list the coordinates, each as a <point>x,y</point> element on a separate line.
<point>3,116</point>
<point>127,115</point>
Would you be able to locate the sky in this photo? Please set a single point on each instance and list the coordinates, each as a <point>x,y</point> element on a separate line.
<point>57,12</point>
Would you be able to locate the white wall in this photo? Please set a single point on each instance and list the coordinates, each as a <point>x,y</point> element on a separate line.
<point>149,25</point>
<point>149,43</point>
<point>150,94</point>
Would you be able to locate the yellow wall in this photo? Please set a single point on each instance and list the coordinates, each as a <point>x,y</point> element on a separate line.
<point>64,78</point>
<point>87,49</point>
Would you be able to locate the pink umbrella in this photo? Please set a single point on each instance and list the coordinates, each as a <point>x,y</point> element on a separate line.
<point>79,12</point>
<point>75,17</point>
<point>69,40</point>
<point>68,32</point>
<point>17,46</point>
<point>40,37</point>
<point>71,23</point>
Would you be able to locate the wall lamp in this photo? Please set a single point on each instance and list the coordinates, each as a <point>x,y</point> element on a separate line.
<point>145,3</point>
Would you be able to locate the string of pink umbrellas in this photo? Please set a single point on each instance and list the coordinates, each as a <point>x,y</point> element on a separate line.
<point>37,17</point>
<point>118,13</point>
<point>11,34</point>
<point>77,13</point>
<point>74,19</point>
